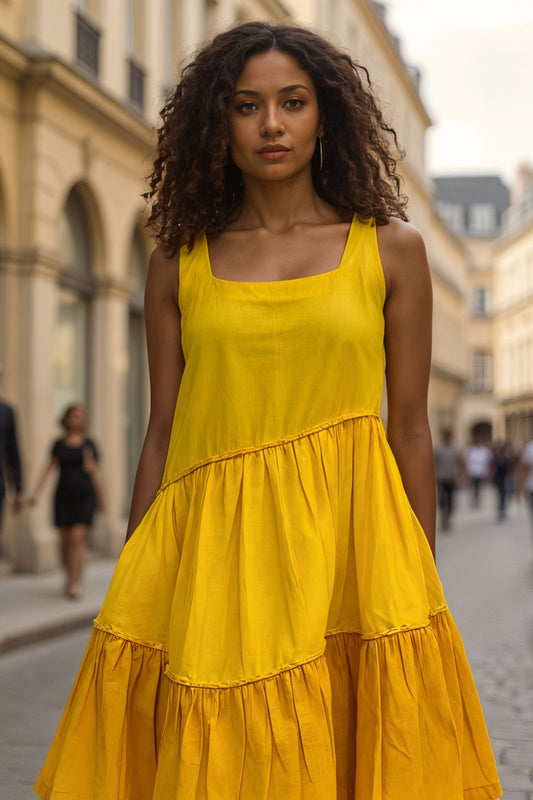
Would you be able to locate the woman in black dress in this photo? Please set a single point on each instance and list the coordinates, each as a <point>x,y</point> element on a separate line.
<point>78,492</point>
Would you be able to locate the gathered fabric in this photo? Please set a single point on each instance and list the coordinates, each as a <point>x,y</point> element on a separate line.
<point>275,626</point>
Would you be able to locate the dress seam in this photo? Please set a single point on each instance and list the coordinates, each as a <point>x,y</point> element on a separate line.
<point>275,443</point>
<point>127,638</point>
<point>391,631</point>
<point>245,681</point>
<point>280,670</point>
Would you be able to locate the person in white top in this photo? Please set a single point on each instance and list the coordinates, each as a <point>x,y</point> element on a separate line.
<point>478,459</point>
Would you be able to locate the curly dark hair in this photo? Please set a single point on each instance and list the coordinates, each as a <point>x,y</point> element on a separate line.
<point>195,187</point>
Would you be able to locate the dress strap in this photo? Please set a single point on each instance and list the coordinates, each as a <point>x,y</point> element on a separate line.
<point>192,267</point>
<point>365,268</point>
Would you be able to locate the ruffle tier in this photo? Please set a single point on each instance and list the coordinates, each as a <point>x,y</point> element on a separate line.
<point>245,561</point>
<point>391,718</point>
<point>276,629</point>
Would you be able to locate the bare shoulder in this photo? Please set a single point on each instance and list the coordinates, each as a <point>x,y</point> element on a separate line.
<point>163,272</point>
<point>402,253</point>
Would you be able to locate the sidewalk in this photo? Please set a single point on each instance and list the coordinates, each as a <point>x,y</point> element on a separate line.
<point>34,607</point>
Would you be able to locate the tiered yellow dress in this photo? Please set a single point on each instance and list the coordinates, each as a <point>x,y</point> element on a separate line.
<point>275,628</point>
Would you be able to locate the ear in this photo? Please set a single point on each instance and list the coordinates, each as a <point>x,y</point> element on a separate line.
<point>320,131</point>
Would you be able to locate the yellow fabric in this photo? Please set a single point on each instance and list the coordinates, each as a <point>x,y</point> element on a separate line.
<point>276,627</point>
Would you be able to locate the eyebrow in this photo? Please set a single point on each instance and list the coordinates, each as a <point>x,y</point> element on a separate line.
<point>285,89</point>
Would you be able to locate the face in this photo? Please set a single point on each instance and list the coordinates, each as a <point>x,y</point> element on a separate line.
<point>274,118</point>
<point>77,419</point>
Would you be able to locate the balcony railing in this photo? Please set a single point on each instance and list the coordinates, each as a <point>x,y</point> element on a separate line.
<point>87,44</point>
<point>135,84</point>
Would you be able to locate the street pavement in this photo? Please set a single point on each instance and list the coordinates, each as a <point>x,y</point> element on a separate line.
<point>34,607</point>
<point>486,569</point>
<point>34,685</point>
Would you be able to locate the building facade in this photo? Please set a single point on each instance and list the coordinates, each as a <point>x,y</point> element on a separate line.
<point>473,208</point>
<point>360,27</point>
<point>513,314</point>
<point>82,83</point>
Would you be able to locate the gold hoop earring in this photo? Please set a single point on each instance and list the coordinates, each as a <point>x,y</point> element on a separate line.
<point>321,151</point>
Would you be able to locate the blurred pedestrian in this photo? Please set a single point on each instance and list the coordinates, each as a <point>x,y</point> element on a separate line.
<point>78,492</point>
<point>514,458</point>
<point>478,458</point>
<point>10,467</point>
<point>525,478</point>
<point>448,462</point>
<point>500,472</point>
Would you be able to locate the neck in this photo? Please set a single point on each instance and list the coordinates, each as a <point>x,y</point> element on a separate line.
<point>279,205</point>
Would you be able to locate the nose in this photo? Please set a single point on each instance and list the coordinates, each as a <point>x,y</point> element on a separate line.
<point>272,122</point>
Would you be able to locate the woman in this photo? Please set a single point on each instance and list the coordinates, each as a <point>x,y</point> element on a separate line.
<point>78,492</point>
<point>275,627</point>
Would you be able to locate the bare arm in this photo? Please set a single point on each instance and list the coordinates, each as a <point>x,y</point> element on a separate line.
<point>43,480</point>
<point>91,467</point>
<point>166,363</point>
<point>408,331</point>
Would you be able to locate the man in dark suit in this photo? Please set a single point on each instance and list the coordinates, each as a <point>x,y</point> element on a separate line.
<point>9,460</point>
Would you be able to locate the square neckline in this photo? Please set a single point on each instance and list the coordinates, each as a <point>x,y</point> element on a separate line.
<point>283,281</point>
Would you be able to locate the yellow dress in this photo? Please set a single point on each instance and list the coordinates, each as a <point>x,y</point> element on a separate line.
<point>275,628</point>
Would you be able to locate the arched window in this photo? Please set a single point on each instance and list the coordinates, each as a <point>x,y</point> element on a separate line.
<point>71,353</point>
<point>136,412</point>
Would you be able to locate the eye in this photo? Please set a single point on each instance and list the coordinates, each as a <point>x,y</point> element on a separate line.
<point>246,107</point>
<point>294,103</point>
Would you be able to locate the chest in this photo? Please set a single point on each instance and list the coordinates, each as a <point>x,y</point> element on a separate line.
<point>257,256</point>
<point>70,458</point>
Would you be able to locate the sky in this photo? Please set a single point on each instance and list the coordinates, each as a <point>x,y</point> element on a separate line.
<point>476,58</point>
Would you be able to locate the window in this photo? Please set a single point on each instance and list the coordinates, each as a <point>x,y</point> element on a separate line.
<point>135,12</point>
<point>75,241</point>
<point>87,39</point>
<point>168,52</point>
<point>482,218</point>
<point>72,333</point>
<point>481,371</point>
<point>453,215</point>
<point>480,301</point>
<point>70,353</point>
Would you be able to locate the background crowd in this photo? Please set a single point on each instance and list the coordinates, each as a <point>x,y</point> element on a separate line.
<point>500,464</point>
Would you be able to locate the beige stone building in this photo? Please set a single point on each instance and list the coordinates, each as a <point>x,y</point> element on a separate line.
<point>81,86</point>
<point>473,208</point>
<point>513,309</point>
<point>360,27</point>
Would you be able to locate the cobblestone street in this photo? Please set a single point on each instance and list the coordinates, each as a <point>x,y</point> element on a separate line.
<point>487,571</point>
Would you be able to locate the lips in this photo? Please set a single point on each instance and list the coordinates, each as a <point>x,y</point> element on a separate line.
<point>273,148</point>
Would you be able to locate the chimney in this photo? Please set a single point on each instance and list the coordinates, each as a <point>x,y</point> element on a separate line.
<point>523,183</point>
